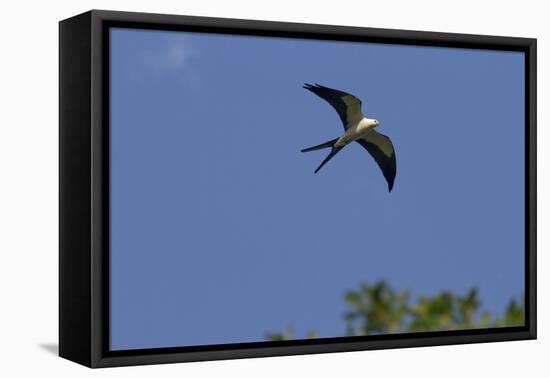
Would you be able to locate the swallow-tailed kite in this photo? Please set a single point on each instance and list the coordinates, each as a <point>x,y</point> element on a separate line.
<point>357,128</point>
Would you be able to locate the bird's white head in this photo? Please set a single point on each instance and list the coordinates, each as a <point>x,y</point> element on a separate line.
<point>375,122</point>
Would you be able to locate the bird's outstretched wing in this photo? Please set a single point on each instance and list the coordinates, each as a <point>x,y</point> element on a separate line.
<point>346,105</point>
<point>381,149</point>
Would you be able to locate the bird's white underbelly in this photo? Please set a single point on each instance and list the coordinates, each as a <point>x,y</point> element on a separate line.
<point>353,133</point>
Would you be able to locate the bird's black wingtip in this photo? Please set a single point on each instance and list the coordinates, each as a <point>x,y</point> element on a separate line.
<point>312,86</point>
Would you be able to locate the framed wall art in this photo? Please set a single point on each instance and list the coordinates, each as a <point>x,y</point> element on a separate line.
<point>235,188</point>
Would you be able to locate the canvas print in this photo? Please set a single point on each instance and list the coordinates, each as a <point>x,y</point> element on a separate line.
<point>265,189</point>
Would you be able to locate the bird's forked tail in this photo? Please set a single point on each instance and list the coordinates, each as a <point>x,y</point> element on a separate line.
<point>329,144</point>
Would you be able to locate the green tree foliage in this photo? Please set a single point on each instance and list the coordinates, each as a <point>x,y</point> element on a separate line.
<point>379,309</point>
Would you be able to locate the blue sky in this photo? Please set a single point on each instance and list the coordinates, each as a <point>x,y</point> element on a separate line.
<point>220,231</point>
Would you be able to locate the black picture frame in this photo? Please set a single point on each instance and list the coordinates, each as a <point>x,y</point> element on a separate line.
<point>84,195</point>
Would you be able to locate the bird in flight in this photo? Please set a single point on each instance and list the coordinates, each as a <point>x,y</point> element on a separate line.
<point>358,129</point>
